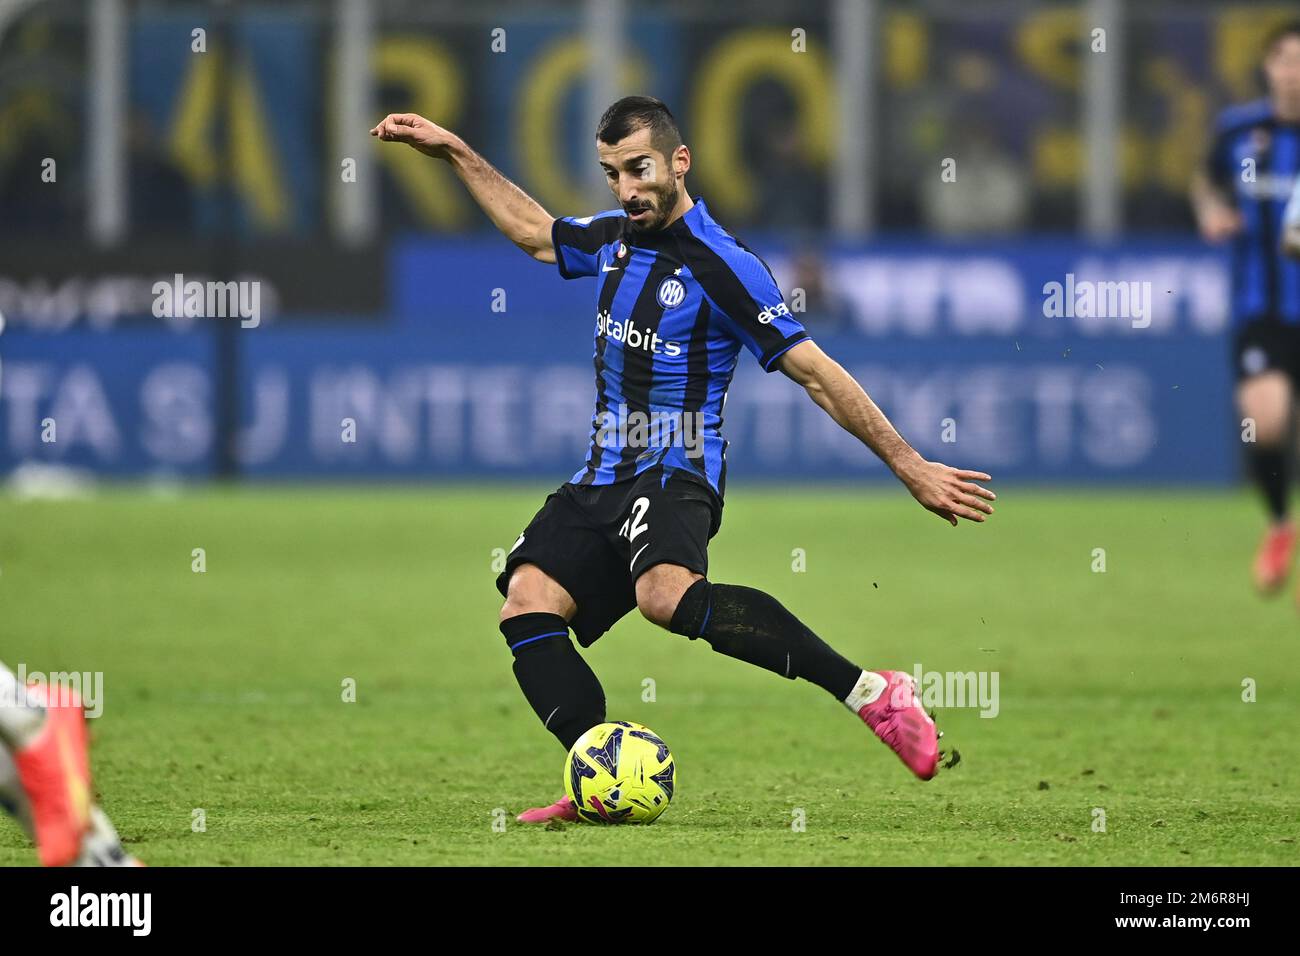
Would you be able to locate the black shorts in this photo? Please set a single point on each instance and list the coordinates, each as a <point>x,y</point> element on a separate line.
<point>596,540</point>
<point>1266,345</point>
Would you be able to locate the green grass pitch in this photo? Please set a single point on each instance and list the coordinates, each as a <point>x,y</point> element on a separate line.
<point>223,691</point>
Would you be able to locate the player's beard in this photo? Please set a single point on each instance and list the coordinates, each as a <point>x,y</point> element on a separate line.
<point>663,201</point>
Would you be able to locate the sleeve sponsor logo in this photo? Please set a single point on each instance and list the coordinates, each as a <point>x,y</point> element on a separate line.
<point>771,313</point>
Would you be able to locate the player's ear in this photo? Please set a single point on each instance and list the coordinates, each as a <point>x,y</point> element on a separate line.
<point>681,162</point>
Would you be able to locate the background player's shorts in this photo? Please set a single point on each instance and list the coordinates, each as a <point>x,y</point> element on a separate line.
<point>596,540</point>
<point>1266,345</point>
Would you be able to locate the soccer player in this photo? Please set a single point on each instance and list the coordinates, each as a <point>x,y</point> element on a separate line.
<point>677,298</point>
<point>1240,197</point>
<point>45,776</point>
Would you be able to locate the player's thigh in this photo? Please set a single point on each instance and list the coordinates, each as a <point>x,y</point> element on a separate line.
<point>1265,399</point>
<point>1267,358</point>
<point>531,590</point>
<point>664,533</point>
<point>577,574</point>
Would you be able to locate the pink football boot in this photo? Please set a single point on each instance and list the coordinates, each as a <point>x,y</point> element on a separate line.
<point>898,718</point>
<point>1273,561</point>
<point>561,809</point>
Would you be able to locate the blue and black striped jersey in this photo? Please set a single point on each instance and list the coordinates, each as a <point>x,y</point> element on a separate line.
<point>1255,159</point>
<point>673,309</point>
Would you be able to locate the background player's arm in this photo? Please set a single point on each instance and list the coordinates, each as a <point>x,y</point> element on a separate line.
<point>1211,192</point>
<point>948,492</point>
<point>1291,225</point>
<point>1216,217</point>
<point>518,215</point>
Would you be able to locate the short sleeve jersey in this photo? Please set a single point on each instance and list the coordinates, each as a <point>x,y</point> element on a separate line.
<point>674,307</point>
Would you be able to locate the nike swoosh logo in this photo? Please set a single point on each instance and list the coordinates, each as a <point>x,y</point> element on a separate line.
<point>637,555</point>
<point>608,268</point>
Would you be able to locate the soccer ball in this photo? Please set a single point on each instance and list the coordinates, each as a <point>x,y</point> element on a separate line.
<point>620,772</point>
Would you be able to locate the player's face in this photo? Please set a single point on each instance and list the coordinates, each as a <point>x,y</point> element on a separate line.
<point>1282,67</point>
<point>642,180</point>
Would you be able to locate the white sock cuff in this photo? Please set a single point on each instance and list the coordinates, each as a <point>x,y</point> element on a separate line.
<point>869,687</point>
<point>20,716</point>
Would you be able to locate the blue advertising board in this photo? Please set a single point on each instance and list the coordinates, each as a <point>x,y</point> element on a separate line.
<point>1047,361</point>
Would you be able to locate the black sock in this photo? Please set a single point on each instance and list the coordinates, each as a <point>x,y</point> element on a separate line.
<point>1269,466</point>
<point>752,626</point>
<point>556,680</point>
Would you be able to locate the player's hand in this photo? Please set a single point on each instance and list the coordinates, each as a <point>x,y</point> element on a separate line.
<point>1218,222</point>
<point>1291,242</point>
<point>414,130</point>
<point>951,493</point>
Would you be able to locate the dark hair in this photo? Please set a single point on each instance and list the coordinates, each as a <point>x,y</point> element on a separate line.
<point>1279,33</point>
<point>632,113</point>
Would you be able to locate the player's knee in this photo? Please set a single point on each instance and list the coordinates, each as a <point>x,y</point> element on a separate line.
<point>1265,399</point>
<point>509,609</point>
<point>656,608</point>
<point>660,590</point>
<point>532,590</point>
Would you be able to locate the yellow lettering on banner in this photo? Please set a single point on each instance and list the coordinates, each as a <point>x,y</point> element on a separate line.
<point>727,72</point>
<point>552,76</point>
<point>1049,43</point>
<point>428,72</point>
<point>251,149</point>
<point>1238,39</point>
<point>1057,156</point>
<point>253,156</point>
<point>907,50</point>
<point>192,121</point>
<point>1180,146</point>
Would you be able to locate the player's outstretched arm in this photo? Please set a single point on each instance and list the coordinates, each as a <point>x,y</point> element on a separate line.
<point>949,492</point>
<point>518,215</point>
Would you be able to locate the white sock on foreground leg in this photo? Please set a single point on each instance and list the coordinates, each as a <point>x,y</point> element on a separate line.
<point>21,715</point>
<point>101,845</point>
<point>869,686</point>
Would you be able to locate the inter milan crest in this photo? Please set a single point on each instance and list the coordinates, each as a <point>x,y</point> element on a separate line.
<point>671,292</point>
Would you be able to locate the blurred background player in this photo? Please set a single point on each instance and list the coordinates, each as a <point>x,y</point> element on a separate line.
<point>1240,197</point>
<point>45,776</point>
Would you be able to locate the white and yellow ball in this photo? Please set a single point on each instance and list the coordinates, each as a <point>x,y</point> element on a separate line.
<point>620,772</point>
